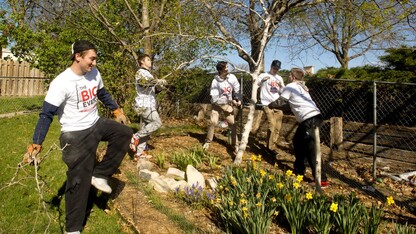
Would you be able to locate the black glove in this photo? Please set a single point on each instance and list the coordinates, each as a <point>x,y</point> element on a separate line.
<point>273,105</point>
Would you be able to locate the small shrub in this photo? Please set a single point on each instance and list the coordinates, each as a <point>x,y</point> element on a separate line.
<point>160,161</point>
<point>319,216</point>
<point>185,158</point>
<point>404,229</point>
<point>349,213</point>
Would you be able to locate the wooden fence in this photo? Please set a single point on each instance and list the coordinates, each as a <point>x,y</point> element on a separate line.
<point>20,79</point>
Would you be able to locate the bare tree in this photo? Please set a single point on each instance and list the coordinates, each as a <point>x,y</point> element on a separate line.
<point>350,28</point>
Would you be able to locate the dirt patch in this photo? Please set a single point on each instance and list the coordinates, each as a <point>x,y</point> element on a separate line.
<point>346,175</point>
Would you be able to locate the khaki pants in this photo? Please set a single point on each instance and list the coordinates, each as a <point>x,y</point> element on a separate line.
<point>274,120</point>
<point>228,111</point>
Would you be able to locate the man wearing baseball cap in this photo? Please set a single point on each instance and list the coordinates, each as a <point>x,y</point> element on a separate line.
<point>271,85</point>
<point>73,95</point>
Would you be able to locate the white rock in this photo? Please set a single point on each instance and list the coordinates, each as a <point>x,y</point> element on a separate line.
<point>194,177</point>
<point>175,173</point>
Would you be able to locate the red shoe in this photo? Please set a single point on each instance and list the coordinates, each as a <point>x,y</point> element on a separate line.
<point>324,183</point>
<point>134,142</point>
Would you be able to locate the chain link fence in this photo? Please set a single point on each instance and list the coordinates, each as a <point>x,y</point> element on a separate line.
<point>370,129</point>
<point>368,124</point>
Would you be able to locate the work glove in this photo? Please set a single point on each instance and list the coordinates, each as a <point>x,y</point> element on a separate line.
<point>160,85</point>
<point>236,102</point>
<point>273,105</point>
<point>161,82</point>
<point>119,116</point>
<point>264,79</point>
<point>32,155</point>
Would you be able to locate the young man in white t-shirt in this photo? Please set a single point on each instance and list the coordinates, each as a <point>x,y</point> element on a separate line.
<point>146,106</point>
<point>271,85</point>
<point>306,141</point>
<point>225,95</point>
<point>73,95</point>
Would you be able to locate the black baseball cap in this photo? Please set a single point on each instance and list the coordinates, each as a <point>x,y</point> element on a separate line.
<point>81,45</point>
<point>276,64</point>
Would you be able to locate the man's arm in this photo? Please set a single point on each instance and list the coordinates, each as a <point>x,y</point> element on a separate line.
<point>280,103</point>
<point>44,122</point>
<point>105,97</point>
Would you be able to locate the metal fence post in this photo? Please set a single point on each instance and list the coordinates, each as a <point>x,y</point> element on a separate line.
<point>240,112</point>
<point>374,129</point>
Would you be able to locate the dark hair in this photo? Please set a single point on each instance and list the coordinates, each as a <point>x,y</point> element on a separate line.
<point>221,66</point>
<point>141,57</point>
<point>80,46</point>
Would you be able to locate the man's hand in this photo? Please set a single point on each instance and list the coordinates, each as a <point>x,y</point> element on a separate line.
<point>161,82</point>
<point>236,102</point>
<point>265,79</point>
<point>119,116</point>
<point>273,105</point>
<point>32,155</point>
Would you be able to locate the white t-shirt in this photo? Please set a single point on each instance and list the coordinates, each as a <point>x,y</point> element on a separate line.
<point>300,101</point>
<point>76,97</point>
<point>146,96</point>
<point>270,90</point>
<point>222,90</point>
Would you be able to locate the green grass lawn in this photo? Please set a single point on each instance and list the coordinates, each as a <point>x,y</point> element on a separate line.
<point>16,104</point>
<point>22,208</point>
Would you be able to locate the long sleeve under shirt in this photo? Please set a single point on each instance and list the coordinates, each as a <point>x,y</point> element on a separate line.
<point>74,99</point>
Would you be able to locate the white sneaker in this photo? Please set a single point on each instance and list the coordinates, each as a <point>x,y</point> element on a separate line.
<point>205,146</point>
<point>76,232</point>
<point>101,184</point>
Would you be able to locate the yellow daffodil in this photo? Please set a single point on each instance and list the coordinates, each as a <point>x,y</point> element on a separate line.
<point>288,197</point>
<point>289,172</point>
<point>233,181</point>
<point>253,158</point>
<point>262,172</point>
<point>258,204</point>
<point>258,195</point>
<point>334,207</point>
<point>242,195</point>
<point>296,185</point>
<point>261,180</point>
<point>248,179</point>
<point>243,201</point>
<point>231,203</point>
<point>259,158</point>
<point>309,196</point>
<point>274,199</point>
<point>271,177</point>
<point>279,185</point>
<point>276,213</point>
<point>244,208</point>
<point>299,178</point>
<point>390,200</point>
<point>245,214</point>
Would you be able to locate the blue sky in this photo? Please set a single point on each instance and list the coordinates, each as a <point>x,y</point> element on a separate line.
<point>318,60</point>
